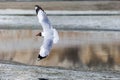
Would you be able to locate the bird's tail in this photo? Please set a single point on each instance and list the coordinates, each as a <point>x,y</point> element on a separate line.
<point>56,36</point>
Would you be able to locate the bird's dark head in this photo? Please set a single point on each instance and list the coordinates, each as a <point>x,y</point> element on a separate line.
<point>37,8</point>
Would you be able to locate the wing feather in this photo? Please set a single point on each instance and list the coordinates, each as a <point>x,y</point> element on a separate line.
<point>46,47</point>
<point>43,20</point>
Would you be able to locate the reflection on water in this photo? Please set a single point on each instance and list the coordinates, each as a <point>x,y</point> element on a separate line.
<point>75,48</point>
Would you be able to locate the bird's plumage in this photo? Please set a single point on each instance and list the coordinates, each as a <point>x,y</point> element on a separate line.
<point>50,34</point>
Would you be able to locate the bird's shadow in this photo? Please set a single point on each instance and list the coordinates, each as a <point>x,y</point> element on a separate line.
<point>42,79</point>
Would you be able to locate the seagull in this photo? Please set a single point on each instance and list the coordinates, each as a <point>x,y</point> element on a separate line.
<point>49,33</point>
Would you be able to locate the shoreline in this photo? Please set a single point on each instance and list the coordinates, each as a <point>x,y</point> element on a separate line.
<point>10,71</point>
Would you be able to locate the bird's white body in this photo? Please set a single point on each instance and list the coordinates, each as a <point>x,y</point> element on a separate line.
<point>49,33</point>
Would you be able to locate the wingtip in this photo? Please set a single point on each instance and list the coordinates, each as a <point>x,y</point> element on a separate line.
<point>40,57</point>
<point>37,8</point>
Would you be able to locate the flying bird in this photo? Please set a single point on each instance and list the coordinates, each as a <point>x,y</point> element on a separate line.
<point>49,33</point>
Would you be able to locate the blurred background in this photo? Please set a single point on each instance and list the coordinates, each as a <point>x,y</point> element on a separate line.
<point>89,33</point>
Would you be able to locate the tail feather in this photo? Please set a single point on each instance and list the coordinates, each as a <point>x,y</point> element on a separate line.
<point>56,36</point>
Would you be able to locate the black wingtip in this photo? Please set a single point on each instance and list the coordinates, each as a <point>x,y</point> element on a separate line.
<point>37,8</point>
<point>40,57</point>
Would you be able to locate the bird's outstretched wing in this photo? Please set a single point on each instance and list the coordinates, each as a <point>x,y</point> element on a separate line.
<point>43,19</point>
<point>55,36</point>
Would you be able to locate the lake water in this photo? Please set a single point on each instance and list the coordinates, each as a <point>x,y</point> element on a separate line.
<point>86,41</point>
<point>74,49</point>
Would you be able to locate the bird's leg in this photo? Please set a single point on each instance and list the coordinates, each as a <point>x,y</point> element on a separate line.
<point>39,34</point>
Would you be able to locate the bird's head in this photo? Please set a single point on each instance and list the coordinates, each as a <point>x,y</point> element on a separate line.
<point>37,8</point>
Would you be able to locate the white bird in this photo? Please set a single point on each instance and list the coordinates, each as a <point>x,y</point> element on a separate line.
<point>49,33</point>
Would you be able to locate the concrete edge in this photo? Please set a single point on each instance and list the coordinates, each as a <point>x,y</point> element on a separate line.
<point>56,12</point>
